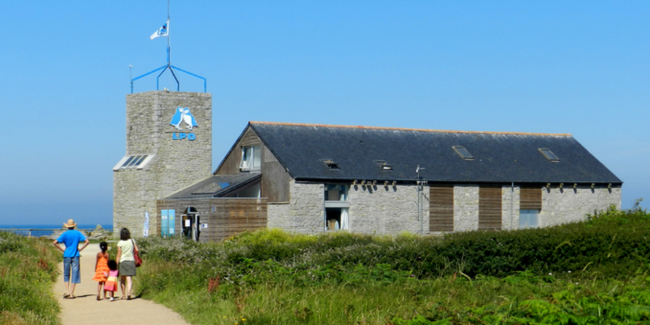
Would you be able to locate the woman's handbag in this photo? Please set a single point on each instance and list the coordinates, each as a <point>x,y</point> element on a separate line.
<point>136,255</point>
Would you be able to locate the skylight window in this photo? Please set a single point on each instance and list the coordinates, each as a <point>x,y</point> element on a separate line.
<point>331,164</point>
<point>383,165</point>
<point>463,153</point>
<point>135,161</point>
<point>549,154</point>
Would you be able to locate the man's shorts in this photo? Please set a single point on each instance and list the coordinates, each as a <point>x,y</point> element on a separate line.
<point>71,264</point>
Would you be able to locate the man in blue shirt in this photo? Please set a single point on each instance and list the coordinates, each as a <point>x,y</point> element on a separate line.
<point>71,238</point>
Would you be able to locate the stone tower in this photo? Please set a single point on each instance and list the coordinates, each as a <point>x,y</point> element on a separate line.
<point>168,147</point>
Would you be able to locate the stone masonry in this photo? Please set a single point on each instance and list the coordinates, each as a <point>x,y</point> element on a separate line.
<point>570,205</point>
<point>465,207</point>
<point>305,211</point>
<point>387,210</point>
<point>176,164</point>
<point>373,209</point>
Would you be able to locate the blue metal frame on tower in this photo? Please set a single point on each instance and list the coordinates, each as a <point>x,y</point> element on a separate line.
<point>169,66</point>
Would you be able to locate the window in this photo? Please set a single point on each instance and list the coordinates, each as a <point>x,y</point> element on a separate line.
<point>528,219</point>
<point>135,161</point>
<point>336,207</point>
<point>530,204</point>
<point>331,164</point>
<point>463,153</point>
<point>549,154</point>
<point>336,192</point>
<point>251,158</point>
<point>383,165</point>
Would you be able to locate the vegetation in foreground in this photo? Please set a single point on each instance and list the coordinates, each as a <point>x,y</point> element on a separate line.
<point>594,272</point>
<point>28,268</point>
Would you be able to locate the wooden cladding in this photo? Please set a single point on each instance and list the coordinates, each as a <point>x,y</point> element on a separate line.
<point>224,217</point>
<point>489,208</point>
<point>530,199</point>
<point>441,208</point>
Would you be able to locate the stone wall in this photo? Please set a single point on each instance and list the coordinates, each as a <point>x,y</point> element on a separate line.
<point>176,164</point>
<point>465,207</point>
<point>510,207</point>
<point>305,211</point>
<point>373,209</point>
<point>380,210</point>
<point>387,210</point>
<point>570,205</point>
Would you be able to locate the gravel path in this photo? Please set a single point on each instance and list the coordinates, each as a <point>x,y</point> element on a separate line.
<point>85,309</point>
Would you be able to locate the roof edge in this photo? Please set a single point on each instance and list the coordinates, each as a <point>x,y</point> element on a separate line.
<point>406,129</point>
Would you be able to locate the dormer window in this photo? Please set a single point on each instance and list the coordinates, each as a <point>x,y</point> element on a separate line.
<point>549,154</point>
<point>251,158</point>
<point>331,164</point>
<point>463,153</point>
<point>383,165</point>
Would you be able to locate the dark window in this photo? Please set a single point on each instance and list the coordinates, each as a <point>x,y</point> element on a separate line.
<point>133,161</point>
<point>463,153</point>
<point>549,154</point>
<point>331,164</point>
<point>383,165</point>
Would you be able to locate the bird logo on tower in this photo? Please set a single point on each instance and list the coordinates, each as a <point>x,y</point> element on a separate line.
<point>183,115</point>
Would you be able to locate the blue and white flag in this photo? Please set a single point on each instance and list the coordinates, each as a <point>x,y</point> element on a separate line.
<point>162,31</point>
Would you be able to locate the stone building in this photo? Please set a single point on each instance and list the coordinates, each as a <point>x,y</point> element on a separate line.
<point>316,178</point>
<point>168,146</point>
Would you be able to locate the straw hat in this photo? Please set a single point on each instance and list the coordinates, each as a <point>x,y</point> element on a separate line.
<point>70,223</point>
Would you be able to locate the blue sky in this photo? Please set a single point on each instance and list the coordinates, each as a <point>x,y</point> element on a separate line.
<point>579,67</point>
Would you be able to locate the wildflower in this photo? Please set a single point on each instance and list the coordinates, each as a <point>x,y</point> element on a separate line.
<point>550,274</point>
<point>569,271</point>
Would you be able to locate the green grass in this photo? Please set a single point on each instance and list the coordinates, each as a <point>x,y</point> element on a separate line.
<point>28,269</point>
<point>594,272</point>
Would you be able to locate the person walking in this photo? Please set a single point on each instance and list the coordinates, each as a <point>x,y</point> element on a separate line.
<point>101,269</point>
<point>126,262</point>
<point>71,238</point>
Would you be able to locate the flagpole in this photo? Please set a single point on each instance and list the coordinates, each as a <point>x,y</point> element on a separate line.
<point>169,36</point>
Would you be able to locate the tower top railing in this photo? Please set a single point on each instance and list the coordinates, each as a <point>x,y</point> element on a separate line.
<point>165,32</point>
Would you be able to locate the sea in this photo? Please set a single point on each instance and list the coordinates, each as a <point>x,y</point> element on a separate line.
<point>47,229</point>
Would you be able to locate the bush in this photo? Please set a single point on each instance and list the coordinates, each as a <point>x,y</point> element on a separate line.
<point>27,271</point>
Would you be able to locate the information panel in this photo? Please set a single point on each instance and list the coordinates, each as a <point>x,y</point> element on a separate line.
<point>164,225</point>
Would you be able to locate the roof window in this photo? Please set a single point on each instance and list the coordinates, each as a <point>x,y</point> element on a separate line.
<point>331,164</point>
<point>383,165</point>
<point>135,161</point>
<point>463,153</point>
<point>549,154</point>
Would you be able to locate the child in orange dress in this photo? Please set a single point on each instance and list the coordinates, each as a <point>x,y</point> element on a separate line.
<point>101,268</point>
<point>111,281</point>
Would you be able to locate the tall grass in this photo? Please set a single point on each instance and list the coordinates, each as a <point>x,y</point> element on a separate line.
<point>584,273</point>
<point>28,268</point>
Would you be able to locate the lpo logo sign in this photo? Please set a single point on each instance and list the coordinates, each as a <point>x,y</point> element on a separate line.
<point>183,115</point>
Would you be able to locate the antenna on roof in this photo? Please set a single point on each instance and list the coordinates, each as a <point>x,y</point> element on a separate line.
<point>164,31</point>
<point>420,188</point>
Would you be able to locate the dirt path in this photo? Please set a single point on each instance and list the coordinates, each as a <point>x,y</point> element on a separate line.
<point>85,309</point>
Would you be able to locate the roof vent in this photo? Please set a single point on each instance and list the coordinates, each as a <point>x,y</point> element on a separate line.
<point>331,164</point>
<point>383,165</point>
<point>549,154</point>
<point>463,153</point>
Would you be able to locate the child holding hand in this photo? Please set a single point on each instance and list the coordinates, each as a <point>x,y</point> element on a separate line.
<point>111,281</point>
<point>101,269</point>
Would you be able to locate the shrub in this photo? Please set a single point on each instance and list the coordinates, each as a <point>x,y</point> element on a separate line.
<point>27,270</point>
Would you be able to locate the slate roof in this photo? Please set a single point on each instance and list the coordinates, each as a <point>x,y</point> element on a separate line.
<point>498,157</point>
<point>216,186</point>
